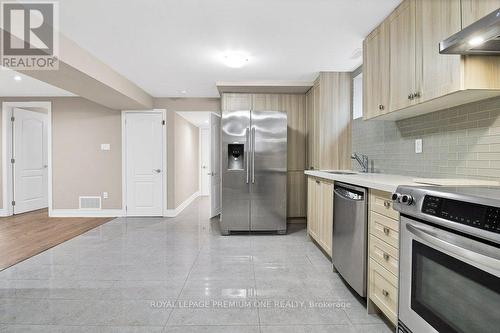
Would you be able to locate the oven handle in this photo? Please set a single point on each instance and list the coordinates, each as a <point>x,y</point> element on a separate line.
<point>458,247</point>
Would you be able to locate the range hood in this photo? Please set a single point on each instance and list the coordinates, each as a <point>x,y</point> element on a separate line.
<point>481,38</point>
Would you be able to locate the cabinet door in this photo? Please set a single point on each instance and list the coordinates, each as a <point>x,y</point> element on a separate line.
<point>310,128</point>
<point>334,125</point>
<point>437,74</point>
<point>473,10</point>
<point>402,55</point>
<point>376,73</point>
<point>296,190</point>
<point>236,102</point>
<point>326,229</point>
<point>312,207</point>
<point>294,105</point>
<point>316,124</point>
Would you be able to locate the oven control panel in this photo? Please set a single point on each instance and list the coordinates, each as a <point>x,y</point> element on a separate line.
<point>474,215</point>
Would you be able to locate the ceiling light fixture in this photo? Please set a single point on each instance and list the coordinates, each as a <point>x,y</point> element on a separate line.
<point>476,41</point>
<point>17,78</point>
<point>235,59</point>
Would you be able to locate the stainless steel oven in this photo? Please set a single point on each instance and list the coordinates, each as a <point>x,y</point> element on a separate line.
<point>449,259</point>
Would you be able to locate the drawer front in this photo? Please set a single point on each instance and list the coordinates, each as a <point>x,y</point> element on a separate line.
<point>383,290</point>
<point>386,255</point>
<point>385,228</point>
<point>381,203</point>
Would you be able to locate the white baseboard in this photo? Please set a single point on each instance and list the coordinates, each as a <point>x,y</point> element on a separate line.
<point>182,206</point>
<point>87,213</point>
<point>4,212</point>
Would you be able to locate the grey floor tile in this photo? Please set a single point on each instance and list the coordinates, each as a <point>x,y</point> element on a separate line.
<point>309,329</point>
<point>153,275</point>
<point>211,329</point>
<point>302,314</point>
<point>214,315</point>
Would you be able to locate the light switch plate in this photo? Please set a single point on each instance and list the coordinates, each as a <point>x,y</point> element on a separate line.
<point>105,146</point>
<point>104,195</point>
<point>418,146</point>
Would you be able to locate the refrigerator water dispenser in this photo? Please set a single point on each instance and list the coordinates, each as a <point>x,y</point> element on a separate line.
<point>236,156</point>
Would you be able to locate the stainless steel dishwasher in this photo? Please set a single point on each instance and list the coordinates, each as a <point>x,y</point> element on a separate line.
<point>349,244</point>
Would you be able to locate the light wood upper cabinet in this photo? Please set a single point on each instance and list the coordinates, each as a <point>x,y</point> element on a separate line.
<point>473,10</point>
<point>376,73</point>
<point>312,105</point>
<point>236,102</point>
<point>421,80</point>
<point>437,74</point>
<point>402,56</point>
<point>329,122</point>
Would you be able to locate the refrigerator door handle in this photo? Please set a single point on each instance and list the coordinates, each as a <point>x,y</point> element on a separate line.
<point>247,135</point>
<point>253,155</point>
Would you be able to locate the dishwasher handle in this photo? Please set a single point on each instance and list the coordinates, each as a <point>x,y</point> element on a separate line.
<point>349,194</point>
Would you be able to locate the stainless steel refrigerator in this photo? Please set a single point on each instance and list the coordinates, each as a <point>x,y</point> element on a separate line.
<point>254,165</point>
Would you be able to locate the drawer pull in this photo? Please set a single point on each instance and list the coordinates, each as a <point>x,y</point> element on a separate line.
<point>386,256</point>
<point>387,231</point>
<point>385,293</point>
<point>317,182</point>
<point>387,204</point>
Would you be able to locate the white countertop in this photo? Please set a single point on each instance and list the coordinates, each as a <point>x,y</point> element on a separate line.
<point>385,182</point>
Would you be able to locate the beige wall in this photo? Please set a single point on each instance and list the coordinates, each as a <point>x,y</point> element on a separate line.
<point>79,166</point>
<point>186,160</point>
<point>79,126</point>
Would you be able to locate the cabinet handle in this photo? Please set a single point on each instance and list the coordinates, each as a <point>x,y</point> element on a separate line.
<point>410,96</point>
<point>386,256</point>
<point>381,107</point>
<point>385,293</point>
<point>386,231</point>
<point>387,204</point>
<point>416,95</point>
<point>317,182</point>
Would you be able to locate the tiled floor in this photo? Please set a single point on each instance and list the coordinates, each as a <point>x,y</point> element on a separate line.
<point>180,275</point>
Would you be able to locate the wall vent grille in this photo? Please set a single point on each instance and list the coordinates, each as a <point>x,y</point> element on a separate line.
<point>90,202</point>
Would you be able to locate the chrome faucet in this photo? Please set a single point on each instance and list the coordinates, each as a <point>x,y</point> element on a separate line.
<point>362,160</point>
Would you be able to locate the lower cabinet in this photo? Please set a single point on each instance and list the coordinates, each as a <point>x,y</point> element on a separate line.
<point>320,212</point>
<point>383,255</point>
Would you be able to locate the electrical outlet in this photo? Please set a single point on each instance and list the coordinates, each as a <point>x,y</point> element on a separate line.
<point>105,146</point>
<point>418,146</point>
<point>104,195</point>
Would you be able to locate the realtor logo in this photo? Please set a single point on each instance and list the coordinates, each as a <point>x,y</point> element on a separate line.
<point>30,38</point>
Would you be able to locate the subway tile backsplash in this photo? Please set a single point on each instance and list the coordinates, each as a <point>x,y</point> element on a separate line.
<point>460,142</point>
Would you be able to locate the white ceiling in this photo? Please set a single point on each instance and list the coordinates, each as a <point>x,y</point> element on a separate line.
<point>171,46</point>
<point>28,86</point>
<point>197,118</point>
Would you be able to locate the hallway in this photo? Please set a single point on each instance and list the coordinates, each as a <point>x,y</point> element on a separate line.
<point>179,275</point>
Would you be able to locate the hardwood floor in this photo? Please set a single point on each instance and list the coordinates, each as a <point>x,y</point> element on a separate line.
<point>25,235</point>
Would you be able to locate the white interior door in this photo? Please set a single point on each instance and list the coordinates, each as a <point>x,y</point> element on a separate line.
<point>205,161</point>
<point>30,173</point>
<point>215,167</point>
<point>144,161</point>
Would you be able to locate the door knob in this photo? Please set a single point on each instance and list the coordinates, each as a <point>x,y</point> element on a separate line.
<point>157,170</point>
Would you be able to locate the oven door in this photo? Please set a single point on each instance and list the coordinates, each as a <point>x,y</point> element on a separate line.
<point>448,283</point>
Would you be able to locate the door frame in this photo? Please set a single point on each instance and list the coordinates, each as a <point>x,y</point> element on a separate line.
<point>219,115</point>
<point>7,181</point>
<point>200,156</point>
<point>163,112</point>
